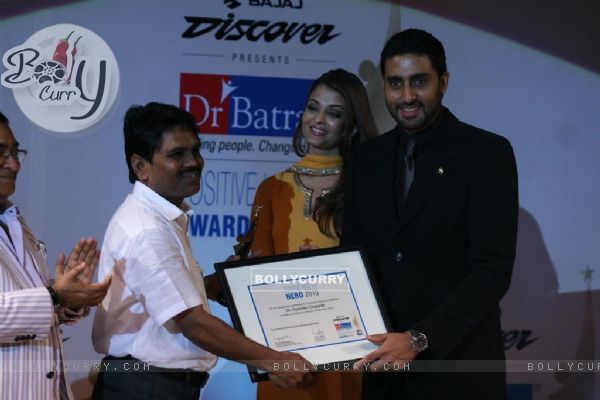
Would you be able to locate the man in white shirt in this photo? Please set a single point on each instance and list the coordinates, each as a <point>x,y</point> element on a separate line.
<point>31,307</point>
<point>157,311</point>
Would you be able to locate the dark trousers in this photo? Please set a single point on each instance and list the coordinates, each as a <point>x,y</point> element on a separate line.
<point>434,386</point>
<point>145,382</point>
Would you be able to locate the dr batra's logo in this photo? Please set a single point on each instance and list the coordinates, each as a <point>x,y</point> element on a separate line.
<point>64,78</point>
<point>243,105</point>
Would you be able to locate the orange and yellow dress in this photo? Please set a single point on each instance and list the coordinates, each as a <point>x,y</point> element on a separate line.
<point>284,223</point>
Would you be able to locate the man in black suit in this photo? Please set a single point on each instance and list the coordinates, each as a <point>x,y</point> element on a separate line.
<point>434,203</point>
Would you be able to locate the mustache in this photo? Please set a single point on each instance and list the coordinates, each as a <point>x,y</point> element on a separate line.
<point>191,169</point>
<point>403,104</point>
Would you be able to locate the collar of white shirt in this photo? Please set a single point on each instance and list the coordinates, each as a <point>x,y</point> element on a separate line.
<point>10,218</point>
<point>158,203</point>
<point>12,212</point>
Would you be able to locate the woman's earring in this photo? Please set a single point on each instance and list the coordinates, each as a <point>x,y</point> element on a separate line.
<point>352,137</point>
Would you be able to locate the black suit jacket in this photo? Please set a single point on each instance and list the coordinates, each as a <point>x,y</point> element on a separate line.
<point>445,262</point>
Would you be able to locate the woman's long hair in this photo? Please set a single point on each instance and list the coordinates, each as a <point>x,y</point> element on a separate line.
<point>358,126</point>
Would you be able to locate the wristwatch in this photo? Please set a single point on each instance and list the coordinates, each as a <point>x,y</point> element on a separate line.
<point>54,297</point>
<point>418,341</point>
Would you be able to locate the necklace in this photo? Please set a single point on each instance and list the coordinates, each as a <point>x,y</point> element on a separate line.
<point>308,192</point>
<point>315,171</point>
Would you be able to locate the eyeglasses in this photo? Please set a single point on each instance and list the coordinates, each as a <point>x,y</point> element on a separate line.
<point>17,155</point>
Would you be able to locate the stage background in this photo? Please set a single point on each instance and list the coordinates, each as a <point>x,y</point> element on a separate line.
<point>527,71</point>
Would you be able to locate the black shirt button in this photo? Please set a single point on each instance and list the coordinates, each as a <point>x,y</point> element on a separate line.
<point>50,375</point>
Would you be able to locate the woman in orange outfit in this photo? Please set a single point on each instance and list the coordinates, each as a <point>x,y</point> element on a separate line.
<point>301,207</point>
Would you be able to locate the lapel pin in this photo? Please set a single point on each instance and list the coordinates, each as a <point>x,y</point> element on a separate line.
<point>42,247</point>
<point>440,171</point>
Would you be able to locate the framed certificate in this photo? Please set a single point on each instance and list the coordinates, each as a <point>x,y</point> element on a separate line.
<point>321,304</point>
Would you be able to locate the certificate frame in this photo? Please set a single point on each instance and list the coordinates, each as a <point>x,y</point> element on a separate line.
<point>254,287</point>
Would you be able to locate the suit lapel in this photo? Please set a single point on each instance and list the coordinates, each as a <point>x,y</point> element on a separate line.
<point>12,265</point>
<point>431,168</point>
<point>382,174</point>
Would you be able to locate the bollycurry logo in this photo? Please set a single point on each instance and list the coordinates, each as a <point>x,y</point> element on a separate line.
<point>64,78</point>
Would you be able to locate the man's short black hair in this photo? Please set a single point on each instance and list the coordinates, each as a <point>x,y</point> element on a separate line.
<point>415,41</point>
<point>3,119</point>
<point>144,127</point>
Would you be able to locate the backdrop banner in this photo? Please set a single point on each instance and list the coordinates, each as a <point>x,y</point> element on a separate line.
<point>243,69</point>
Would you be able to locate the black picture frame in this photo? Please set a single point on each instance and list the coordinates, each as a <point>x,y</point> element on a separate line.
<point>221,269</point>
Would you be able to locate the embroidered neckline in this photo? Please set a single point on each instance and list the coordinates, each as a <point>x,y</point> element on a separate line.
<point>308,192</point>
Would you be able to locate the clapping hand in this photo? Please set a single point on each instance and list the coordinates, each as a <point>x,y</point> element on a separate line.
<point>73,283</point>
<point>85,250</point>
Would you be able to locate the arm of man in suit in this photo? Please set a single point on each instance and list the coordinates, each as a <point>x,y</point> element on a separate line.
<point>492,218</point>
<point>25,314</point>
<point>28,314</point>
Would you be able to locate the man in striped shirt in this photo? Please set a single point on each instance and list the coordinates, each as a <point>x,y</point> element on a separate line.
<point>31,306</point>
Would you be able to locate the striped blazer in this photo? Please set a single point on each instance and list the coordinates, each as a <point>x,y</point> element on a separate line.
<point>30,340</point>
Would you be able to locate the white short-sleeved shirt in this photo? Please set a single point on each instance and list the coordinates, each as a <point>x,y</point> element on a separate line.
<point>160,279</point>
